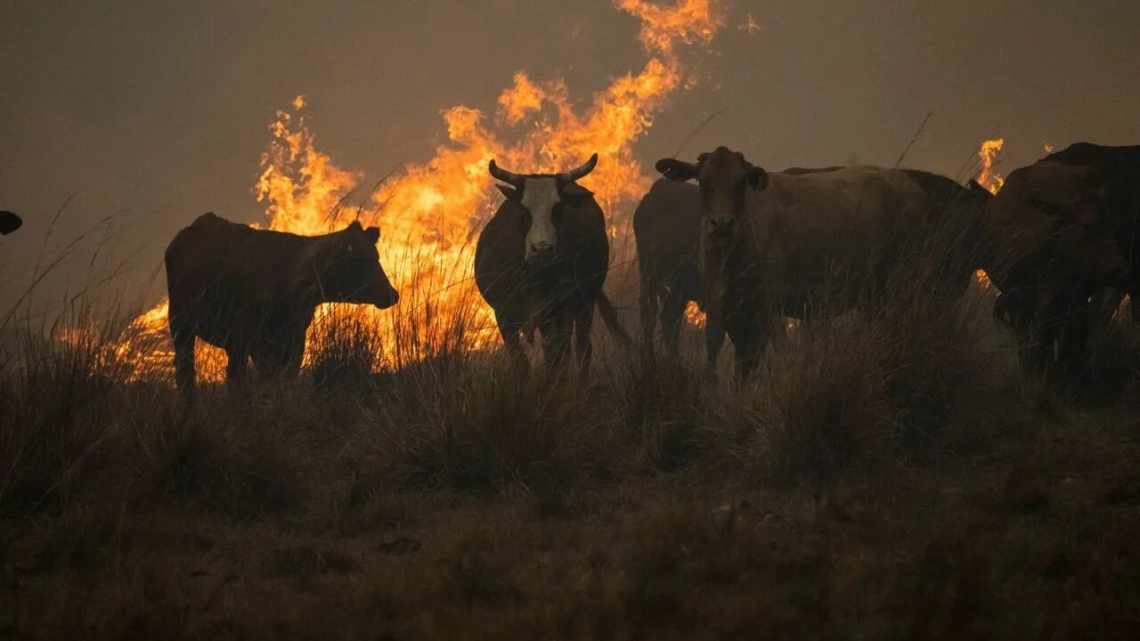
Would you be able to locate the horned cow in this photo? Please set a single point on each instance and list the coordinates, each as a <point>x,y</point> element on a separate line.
<point>541,261</point>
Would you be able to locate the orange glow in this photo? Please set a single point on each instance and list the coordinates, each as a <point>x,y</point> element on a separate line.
<point>988,154</point>
<point>983,279</point>
<point>688,22</point>
<point>430,213</point>
<point>693,315</point>
<point>991,180</point>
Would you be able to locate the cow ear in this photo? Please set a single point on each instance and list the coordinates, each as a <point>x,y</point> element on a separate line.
<point>674,169</point>
<point>354,226</point>
<point>757,178</point>
<point>9,222</point>
<point>510,192</point>
<point>574,194</point>
<point>373,234</point>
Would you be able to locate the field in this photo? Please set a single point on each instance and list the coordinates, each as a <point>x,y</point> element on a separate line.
<point>890,474</point>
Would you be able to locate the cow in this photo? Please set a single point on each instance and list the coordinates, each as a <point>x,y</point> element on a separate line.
<point>808,242</point>
<point>9,222</point>
<point>253,292</point>
<point>541,261</point>
<point>1065,232</point>
<point>665,224</point>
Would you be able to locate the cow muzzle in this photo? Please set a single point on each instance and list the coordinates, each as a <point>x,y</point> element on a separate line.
<point>540,254</point>
<point>720,229</point>
<point>388,299</point>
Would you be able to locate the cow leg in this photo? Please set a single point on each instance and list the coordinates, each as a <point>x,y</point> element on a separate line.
<point>583,346</point>
<point>749,335</point>
<point>671,312</point>
<point>714,341</point>
<point>1076,330</point>
<point>648,308</point>
<point>236,369</point>
<point>184,374</point>
<point>555,330</point>
<point>281,361</point>
<point>291,367</point>
<point>509,329</point>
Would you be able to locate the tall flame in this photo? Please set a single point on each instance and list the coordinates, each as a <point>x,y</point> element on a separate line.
<point>992,181</point>
<point>431,212</point>
<point>987,155</point>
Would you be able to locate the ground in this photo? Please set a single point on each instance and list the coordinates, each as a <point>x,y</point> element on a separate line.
<point>885,480</point>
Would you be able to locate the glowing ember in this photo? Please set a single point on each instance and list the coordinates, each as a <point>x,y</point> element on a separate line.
<point>983,279</point>
<point>693,315</point>
<point>430,213</point>
<point>987,154</point>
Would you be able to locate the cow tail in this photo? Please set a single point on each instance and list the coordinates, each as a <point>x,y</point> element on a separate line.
<point>609,316</point>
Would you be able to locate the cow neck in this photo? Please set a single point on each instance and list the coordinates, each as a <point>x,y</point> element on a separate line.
<point>307,280</point>
<point>713,266</point>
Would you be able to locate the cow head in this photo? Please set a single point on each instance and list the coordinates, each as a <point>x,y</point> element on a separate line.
<point>542,198</point>
<point>725,178</point>
<point>351,270</point>
<point>1056,218</point>
<point>1065,205</point>
<point>9,222</point>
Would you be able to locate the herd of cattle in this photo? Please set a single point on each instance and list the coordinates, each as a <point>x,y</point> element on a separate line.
<point>1059,241</point>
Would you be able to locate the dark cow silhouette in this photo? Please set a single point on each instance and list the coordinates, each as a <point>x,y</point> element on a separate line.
<point>253,292</point>
<point>807,242</point>
<point>9,222</point>
<point>666,224</point>
<point>541,261</point>
<point>1065,233</point>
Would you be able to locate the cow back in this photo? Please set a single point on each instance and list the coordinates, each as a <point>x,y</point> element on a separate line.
<point>230,281</point>
<point>825,234</point>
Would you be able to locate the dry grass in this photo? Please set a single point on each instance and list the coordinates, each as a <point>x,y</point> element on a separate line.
<point>888,475</point>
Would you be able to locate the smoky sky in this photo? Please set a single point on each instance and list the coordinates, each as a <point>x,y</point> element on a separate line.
<point>155,112</point>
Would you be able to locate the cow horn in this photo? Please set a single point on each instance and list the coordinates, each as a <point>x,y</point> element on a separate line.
<point>508,177</point>
<point>583,170</point>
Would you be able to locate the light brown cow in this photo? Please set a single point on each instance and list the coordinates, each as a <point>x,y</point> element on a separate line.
<point>798,244</point>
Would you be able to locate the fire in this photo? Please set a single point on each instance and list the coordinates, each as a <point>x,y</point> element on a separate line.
<point>693,315</point>
<point>987,154</point>
<point>991,180</point>
<point>430,213</point>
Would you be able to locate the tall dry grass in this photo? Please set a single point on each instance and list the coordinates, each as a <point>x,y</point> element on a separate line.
<point>413,482</point>
<point>418,398</point>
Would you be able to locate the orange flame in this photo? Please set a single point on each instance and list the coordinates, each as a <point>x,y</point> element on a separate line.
<point>430,213</point>
<point>988,154</point>
<point>991,180</point>
<point>693,315</point>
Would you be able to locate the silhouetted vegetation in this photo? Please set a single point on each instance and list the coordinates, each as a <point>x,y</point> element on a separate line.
<point>889,474</point>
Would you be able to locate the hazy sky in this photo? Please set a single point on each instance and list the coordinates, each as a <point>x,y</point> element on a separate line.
<point>156,111</point>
